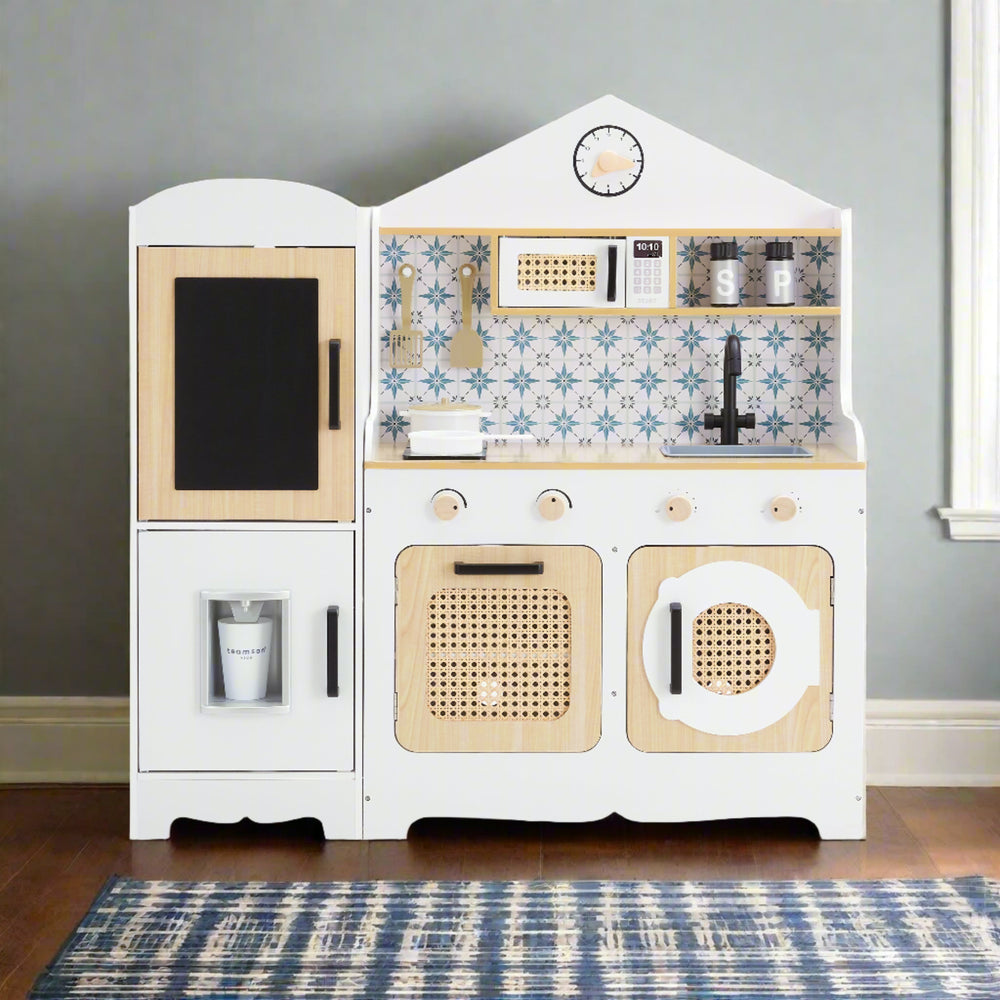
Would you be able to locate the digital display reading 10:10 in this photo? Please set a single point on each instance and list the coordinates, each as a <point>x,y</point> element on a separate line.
<point>647,248</point>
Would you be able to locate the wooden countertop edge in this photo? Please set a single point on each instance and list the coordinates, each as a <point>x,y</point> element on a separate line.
<point>663,466</point>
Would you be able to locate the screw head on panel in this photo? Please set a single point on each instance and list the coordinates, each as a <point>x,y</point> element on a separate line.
<point>614,694</point>
<point>368,798</point>
<point>368,510</point>
<point>614,548</point>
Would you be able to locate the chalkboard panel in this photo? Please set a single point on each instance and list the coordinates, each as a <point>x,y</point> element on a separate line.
<point>246,400</point>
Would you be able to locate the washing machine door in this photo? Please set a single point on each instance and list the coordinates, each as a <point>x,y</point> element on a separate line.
<point>731,646</point>
<point>748,649</point>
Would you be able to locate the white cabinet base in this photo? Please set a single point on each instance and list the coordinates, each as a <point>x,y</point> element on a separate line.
<point>157,800</point>
<point>825,786</point>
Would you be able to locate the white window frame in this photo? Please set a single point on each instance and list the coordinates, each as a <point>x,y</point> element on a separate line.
<point>975,278</point>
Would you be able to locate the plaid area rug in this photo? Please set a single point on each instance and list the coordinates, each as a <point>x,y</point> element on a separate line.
<point>513,940</point>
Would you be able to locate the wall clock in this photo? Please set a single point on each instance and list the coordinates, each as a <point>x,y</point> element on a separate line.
<point>608,160</point>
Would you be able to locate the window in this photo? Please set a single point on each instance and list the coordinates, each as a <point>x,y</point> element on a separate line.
<point>975,220</point>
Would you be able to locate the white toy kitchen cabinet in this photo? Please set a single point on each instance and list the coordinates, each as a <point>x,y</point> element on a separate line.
<point>305,722</point>
<point>245,581</point>
<point>731,578</point>
<point>530,528</point>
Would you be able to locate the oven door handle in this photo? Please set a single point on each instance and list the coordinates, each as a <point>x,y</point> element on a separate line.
<point>334,385</point>
<point>497,569</point>
<point>332,655</point>
<point>612,272</point>
<point>675,647</point>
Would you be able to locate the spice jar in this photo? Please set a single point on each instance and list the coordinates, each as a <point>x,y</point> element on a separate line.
<point>725,274</point>
<point>779,274</point>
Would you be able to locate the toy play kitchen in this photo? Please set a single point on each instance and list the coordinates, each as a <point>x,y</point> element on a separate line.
<point>535,493</point>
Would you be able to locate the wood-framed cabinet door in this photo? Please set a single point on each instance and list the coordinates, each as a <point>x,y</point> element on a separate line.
<point>753,652</point>
<point>246,383</point>
<point>498,648</point>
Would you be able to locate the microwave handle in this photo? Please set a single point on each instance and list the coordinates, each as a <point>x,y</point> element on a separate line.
<point>612,272</point>
<point>334,385</point>
<point>675,647</point>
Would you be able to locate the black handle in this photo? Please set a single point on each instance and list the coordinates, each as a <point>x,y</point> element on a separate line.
<point>334,385</point>
<point>332,633</point>
<point>612,272</point>
<point>675,648</point>
<point>495,569</point>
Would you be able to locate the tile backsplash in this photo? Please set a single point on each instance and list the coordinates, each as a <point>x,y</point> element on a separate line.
<point>617,379</point>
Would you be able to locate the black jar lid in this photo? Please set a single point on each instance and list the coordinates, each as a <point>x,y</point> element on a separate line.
<point>778,250</point>
<point>724,251</point>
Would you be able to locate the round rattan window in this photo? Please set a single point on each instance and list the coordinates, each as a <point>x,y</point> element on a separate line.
<point>732,648</point>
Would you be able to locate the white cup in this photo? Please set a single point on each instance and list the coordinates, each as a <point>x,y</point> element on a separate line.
<point>246,655</point>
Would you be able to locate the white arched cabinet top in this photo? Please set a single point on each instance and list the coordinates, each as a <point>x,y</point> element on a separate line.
<point>245,212</point>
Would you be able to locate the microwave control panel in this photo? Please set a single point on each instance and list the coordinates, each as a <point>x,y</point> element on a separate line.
<point>647,272</point>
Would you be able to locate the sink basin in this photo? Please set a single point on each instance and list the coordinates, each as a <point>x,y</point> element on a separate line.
<point>735,451</point>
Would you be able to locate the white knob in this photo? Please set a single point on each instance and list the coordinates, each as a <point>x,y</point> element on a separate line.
<point>552,504</point>
<point>448,504</point>
<point>783,508</point>
<point>678,508</point>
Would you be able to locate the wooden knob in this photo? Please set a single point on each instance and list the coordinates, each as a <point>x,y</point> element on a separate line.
<point>447,504</point>
<point>783,508</point>
<point>679,508</point>
<point>552,504</point>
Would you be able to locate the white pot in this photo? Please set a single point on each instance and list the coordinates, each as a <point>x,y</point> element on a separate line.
<point>456,444</point>
<point>246,655</point>
<point>447,444</point>
<point>465,418</point>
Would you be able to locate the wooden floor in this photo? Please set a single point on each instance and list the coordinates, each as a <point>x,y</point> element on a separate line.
<point>58,845</point>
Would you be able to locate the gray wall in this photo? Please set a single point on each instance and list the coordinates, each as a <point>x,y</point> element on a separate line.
<point>108,102</point>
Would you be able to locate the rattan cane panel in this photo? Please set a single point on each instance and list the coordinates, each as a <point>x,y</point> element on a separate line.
<point>498,653</point>
<point>732,648</point>
<point>540,272</point>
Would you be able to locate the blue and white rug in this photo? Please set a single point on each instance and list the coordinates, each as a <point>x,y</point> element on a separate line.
<point>514,940</point>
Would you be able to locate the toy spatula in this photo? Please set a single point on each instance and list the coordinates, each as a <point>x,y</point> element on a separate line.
<point>466,346</point>
<point>406,345</point>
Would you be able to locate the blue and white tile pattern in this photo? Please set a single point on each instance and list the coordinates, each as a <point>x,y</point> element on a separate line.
<point>620,380</point>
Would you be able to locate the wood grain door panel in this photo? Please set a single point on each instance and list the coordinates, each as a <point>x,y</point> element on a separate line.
<point>507,662</point>
<point>806,727</point>
<point>159,498</point>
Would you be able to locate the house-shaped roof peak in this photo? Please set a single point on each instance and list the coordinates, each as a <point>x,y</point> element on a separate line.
<point>685,183</point>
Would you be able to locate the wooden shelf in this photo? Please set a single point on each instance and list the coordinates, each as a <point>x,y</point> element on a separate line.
<point>599,231</point>
<point>675,311</point>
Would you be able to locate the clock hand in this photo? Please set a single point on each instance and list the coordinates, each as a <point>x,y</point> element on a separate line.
<point>608,162</point>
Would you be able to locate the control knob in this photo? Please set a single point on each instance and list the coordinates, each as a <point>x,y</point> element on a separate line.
<point>448,504</point>
<point>678,508</point>
<point>783,508</point>
<point>552,504</point>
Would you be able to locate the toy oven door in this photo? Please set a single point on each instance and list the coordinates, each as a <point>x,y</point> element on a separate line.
<point>561,273</point>
<point>498,648</point>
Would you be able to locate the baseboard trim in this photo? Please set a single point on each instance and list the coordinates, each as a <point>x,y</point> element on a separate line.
<point>63,740</point>
<point>933,742</point>
<point>85,740</point>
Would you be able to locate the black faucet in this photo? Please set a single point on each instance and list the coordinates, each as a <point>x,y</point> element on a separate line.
<point>730,420</point>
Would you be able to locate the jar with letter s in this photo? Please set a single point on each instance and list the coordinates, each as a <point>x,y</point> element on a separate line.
<point>725,274</point>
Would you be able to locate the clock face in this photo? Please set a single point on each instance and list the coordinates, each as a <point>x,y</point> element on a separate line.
<point>608,160</point>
